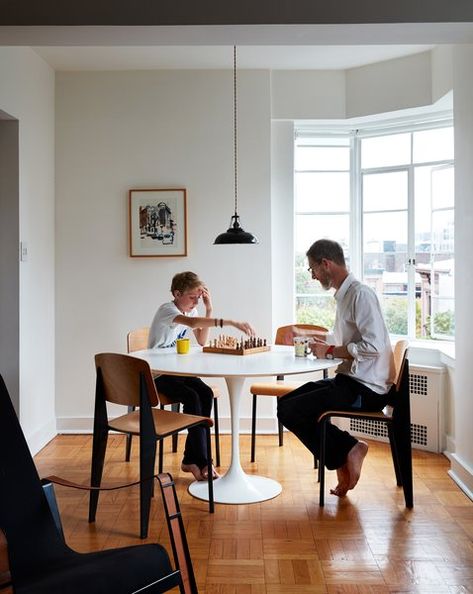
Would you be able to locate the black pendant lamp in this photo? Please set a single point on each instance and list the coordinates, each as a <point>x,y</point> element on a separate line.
<point>235,233</point>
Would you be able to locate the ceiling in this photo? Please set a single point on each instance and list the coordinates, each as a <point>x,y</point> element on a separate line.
<point>272,57</point>
<point>320,47</point>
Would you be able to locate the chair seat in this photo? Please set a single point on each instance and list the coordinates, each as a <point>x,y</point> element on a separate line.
<point>120,571</point>
<point>385,415</point>
<point>278,388</point>
<point>166,422</point>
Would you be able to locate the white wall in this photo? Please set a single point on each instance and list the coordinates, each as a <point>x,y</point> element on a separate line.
<point>122,130</point>
<point>389,86</point>
<point>27,94</point>
<point>462,459</point>
<point>299,94</point>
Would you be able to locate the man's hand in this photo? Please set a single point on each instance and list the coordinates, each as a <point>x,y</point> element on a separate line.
<point>319,349</point>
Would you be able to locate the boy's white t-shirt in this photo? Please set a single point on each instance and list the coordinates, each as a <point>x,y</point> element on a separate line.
<point>163,331</point>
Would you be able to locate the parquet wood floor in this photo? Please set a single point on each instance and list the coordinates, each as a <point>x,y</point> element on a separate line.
<point>366,543</point>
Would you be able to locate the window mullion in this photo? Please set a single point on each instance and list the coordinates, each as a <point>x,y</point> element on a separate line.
<point>411,254</point>
<point>356,219</point>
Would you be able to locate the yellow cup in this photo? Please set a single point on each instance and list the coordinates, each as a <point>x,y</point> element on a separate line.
<point>183,346</point>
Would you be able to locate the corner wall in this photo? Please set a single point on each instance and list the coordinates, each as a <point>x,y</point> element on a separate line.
<point>27,94</point>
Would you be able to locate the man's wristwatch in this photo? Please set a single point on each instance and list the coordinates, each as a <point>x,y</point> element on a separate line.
<point>329,352</point>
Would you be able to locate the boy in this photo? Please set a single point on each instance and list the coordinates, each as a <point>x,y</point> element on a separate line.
<point>172,321</point>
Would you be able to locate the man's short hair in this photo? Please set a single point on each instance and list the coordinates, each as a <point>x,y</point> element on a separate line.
<point>328,250</point>
<point>185,281</point>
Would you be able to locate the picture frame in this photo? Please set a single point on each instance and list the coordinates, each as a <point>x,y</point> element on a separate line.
<point>157,222</point>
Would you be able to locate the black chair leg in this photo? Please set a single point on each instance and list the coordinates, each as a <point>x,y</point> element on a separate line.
<point>129,437</point>
<point>210,478</point>
<point>160,456</point>
<point>404,450</point>
<point>147,458</point>
<point>394,454</point>
<point>323,430</point>
<point>98,457</point>
<point>216,434</point>
<point>281,433</point>
<point>253,429</point>
<point>175,407</point>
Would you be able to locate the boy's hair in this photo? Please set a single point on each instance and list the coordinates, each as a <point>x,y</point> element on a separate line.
<point>185,281</point>
<point>328,250</point>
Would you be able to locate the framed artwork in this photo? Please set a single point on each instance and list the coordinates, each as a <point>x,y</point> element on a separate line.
<point>158,223</point>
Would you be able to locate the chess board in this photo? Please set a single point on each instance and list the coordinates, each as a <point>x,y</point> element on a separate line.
<point>235,351</point>
<point>228,345</point>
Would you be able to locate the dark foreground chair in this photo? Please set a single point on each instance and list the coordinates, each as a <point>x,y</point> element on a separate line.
<point>38,560</point>
<point>397,417</point>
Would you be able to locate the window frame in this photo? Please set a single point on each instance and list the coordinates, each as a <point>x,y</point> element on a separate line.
<point>357,173</point>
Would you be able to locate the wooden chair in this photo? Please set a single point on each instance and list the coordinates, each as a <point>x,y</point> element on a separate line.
<point>397,416</point>
<point>34,556</point>
<point>126,380</point>
<point>137,340</point>
<point>284,336</point>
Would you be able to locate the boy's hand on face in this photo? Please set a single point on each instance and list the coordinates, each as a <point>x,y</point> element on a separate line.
<point>206,298</point>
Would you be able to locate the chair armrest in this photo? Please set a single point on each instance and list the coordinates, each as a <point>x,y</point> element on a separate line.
<point>65,483</point>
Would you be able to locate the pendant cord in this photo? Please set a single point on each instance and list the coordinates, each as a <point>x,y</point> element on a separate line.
<point>235,142</point>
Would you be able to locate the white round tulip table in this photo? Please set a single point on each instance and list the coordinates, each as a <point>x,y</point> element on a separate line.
<point>235,486</point>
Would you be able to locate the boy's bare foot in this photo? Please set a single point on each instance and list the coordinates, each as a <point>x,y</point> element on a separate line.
<point>205,472</point>
<point>194,469</point>
<point>343,482</point>
<point>355,461</point>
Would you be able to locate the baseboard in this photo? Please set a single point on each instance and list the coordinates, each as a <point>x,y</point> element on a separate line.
<point>462,474</point>
<point>41,437</point>
<point>85,425</point>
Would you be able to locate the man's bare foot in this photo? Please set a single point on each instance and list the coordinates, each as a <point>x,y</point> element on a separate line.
<point>195,471</point>
<point>355,461</point>
<point>205,472</point>
<point>343,482</point>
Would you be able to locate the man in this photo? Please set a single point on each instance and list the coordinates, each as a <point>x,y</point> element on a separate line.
<point>362,380</point>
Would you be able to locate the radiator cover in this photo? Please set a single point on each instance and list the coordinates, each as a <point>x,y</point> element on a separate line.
<point>427,388</point>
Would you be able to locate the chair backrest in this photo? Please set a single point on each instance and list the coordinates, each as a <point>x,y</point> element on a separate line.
<point>25,516</point>
<point>399,355</point>
<point>137,339</point>
<point>285,334</point>
<point>119,376</point>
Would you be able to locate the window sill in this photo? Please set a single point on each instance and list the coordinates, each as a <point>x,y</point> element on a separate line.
<point>429,352</point>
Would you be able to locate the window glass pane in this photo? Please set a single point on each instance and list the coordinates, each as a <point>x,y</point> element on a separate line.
<point>423,212</point>
<point>443,318</point>
<point>309,228</point>
<point>385,191</point>
<point>443,187</point>
<point>315,158</point>
<point>395,312</point>
<point>316,309</point>
<point>443,232</point>
<point>433,145</point>
<point>383,151</point>
<point>322,192</point>
<point>385,240</point>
